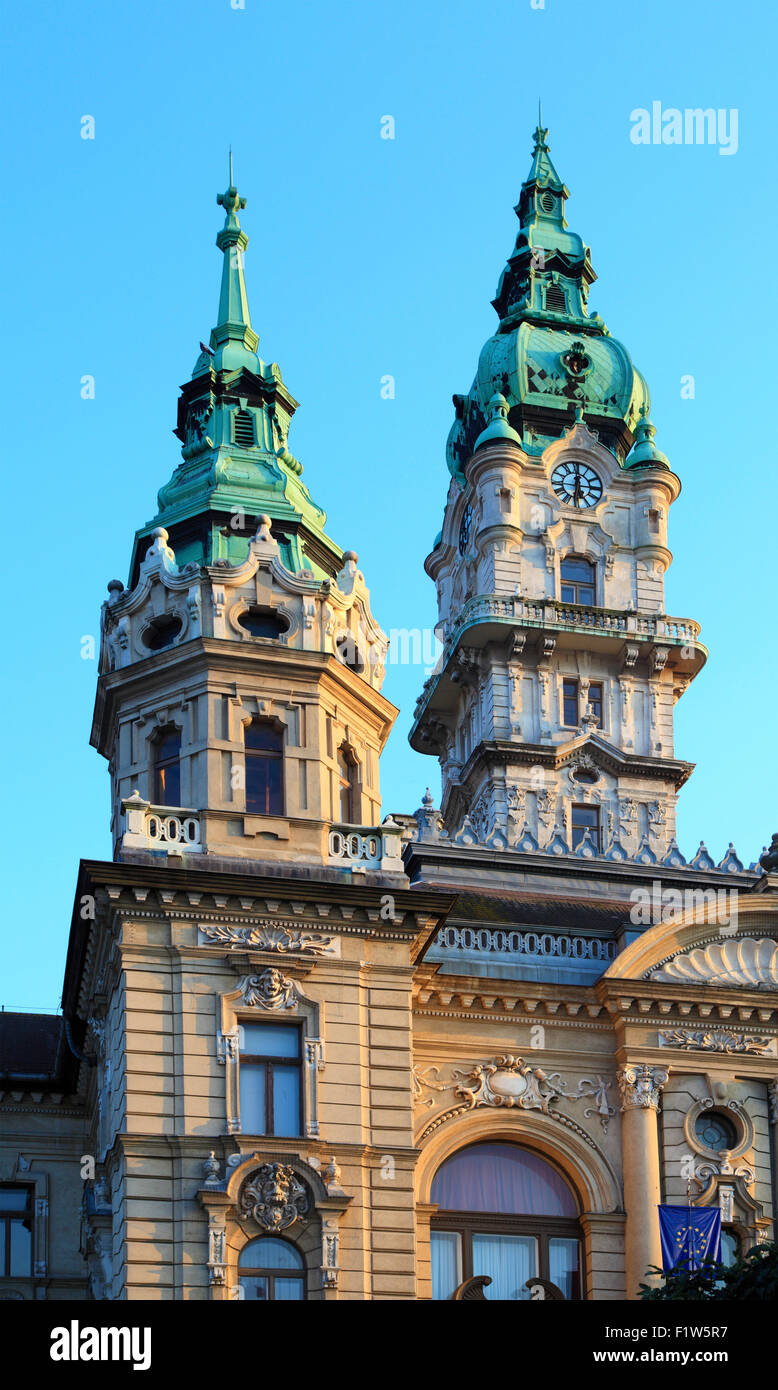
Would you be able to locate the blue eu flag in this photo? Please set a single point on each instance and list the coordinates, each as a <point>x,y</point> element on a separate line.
<point>689,1235</point>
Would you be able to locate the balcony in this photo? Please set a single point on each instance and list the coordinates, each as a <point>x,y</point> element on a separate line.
<point>170,829</point>
<point>573,617</point>
<point>362,848</point>
<point>617,632</point>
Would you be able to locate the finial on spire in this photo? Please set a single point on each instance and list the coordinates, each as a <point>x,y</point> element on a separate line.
<point>539,135</point>
<point>231,201</point>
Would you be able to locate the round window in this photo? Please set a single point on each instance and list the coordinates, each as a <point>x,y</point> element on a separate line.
<point>715,1131</point>
<point>547,202</point>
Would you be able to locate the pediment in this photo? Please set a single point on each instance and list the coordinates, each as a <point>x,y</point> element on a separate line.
<point>708,938</point>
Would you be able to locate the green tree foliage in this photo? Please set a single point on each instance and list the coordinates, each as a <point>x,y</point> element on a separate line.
<point>752,1276</point>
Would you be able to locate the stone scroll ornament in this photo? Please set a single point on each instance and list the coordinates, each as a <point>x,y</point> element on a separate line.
<point>641,1086</point>
<point>509,1081</point>
<point>274,1196</point>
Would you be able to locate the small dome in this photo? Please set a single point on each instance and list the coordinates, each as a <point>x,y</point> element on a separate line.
<point>498,427</point>
<point>644,453</point>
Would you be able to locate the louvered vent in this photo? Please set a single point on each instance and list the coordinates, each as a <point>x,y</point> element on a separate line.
<point>555,299</point>
<point>244,429</point>
<point>547,202</point>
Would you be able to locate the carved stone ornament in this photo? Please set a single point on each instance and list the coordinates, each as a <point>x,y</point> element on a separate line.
<point>595,1088</point>
<point>509,1081</point>
<point>284,937</point>
<point>640,1086</point>
<point>743,961</point>
<point>274,1196</point>
<point>270,990</point>
<point>426,1079</point>
<point>712,1040</point>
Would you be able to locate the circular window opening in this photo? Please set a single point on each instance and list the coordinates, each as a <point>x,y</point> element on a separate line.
<point>583,774</point>
<point>715,1131</point>
<point>161,632</point>
<point>547,202</point>
<point>263,622</point>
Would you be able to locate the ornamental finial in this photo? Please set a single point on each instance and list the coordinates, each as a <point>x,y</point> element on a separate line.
<point>231,201</point>
<point>541,132</point>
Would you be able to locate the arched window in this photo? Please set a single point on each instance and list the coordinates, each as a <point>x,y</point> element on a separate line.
<point>264,744</point>
<point>271,1270</point>
<point>505,1212</point>
<point>577,576</point>
<point>348,783</point>
<point>167,767</point>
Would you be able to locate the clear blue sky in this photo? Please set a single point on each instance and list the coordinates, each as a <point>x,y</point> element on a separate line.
<point>367,257</point>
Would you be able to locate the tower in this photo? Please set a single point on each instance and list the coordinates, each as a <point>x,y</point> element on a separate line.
<point>239,701</point>
<point>551,708</point>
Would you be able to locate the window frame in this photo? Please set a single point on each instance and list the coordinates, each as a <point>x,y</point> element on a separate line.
<point>352,785</point>
<point>259,1272</point>
<point>596,832</point>
<point>252,756</point>
<point>163,764</point>
<point>566,681</point>
<point>10,1216</point>
<point>266,1060</point>
<point>576,584</point>
<point>590,704</point>
<point>542,1229</point>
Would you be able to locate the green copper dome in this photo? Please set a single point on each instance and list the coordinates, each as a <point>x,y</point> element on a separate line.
<point>233,423</point>
<point>549,353</point>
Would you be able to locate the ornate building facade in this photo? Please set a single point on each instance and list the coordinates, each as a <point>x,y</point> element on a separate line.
<point>305,1052</point>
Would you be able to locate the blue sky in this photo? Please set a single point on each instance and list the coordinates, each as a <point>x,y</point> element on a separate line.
<point>367,257</point>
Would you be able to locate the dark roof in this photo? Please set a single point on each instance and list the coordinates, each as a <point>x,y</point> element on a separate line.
<point>30,1046</point>
<point>533,910</point>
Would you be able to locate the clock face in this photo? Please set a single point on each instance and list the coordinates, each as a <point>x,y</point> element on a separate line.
<point>464,529</point>
<point>577,484</point>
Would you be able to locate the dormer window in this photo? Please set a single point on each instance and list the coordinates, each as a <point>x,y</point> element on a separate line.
<point>167,767</point>
<point>243,429</point>
<point>577,576</point>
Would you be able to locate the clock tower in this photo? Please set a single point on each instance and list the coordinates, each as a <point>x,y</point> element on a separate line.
<point>551,708</point>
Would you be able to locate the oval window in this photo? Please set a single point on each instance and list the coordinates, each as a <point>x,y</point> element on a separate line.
<point>162,632</point>
<point>263,622</point>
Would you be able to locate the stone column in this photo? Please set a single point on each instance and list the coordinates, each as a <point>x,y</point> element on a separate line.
<point>640,1086</point>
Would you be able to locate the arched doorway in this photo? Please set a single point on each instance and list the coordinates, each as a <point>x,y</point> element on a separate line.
<point>505,1212</point>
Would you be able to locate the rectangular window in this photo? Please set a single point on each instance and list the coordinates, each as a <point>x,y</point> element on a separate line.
<point>563,1266</point>
<point>270,1079</point>
<point>570,704</point>
<point>585,818</point>
<point>595,701</point>
<point>15,1232</point>
<point>446,1247</point>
